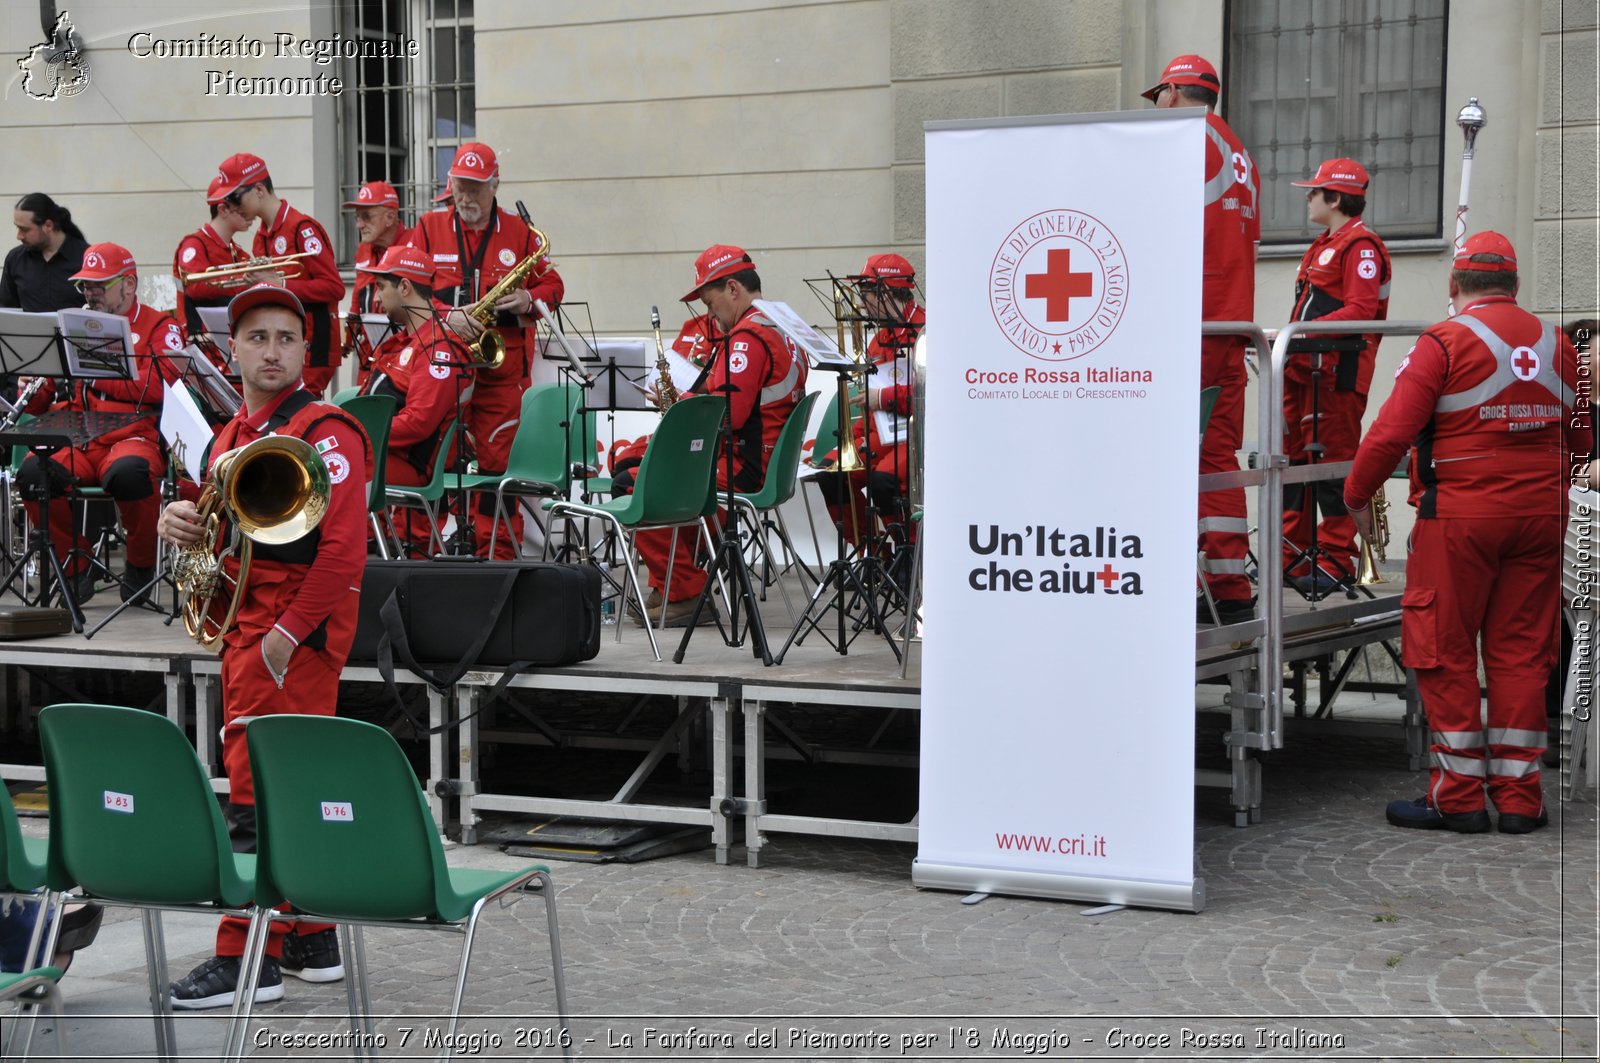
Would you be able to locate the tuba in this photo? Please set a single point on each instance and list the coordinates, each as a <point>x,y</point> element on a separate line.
<point>272,491</point>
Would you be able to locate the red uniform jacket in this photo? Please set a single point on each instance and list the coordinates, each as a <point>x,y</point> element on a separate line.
<point>154,334</point>
<point>319,286</point>
<point>427,394</point>
<point>1233,226</point>
<point>202,249</point>
<point>1344,276</point>
<point>1487,398</point>
<point>768,377</point>
<point>309,589</point>
<point>486,256</point>
<point>364,297</point>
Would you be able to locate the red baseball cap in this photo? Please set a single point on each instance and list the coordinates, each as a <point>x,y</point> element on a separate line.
<point>262,295</point>
<point>1487,242</point>
<point>716,262</point>
<point>1339,175</point>
<point>214,193</point>
<point>890,270</point>
<point>403,260</point>
<point>1186,70</point>
<point>376,194</point>
<point>238,171</point>
<point>101,262</point>
<point>475,161</point>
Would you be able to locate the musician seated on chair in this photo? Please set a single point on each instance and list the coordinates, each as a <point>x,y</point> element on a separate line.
<point>127,461</point>
<point>425,368</point>
<point>377,207</point>
<point>763,377</point>
<point>887,284</point>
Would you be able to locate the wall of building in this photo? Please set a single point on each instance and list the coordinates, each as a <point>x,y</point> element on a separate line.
<point>1566,174</point>
<point>132,154</point>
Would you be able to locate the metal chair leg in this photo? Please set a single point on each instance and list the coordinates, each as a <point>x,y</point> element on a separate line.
<point>155,951</point>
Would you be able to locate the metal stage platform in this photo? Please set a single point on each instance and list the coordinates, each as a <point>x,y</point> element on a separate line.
<point>716,707</point>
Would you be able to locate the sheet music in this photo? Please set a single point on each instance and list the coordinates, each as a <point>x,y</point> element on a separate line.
<point>186,431</point>
<point>891,426</point>
<point>99,346</point>
<point>821,349</point>
<point>205,375</point>
<point>378,328</point>
<point>215,319</point>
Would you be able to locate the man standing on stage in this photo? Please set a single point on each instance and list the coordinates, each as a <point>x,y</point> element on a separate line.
<point>377,207</point>
<point>888,291</point>
<point>37,276</point>
<point>314,279</point>
<point>425,368</point>
<point>472,246</point>
<point>207,248</point>
<point>1486,398</point>
<point>297,619</point>
<point>1344,276</point>
<point>126,460</point>
<point>1232,232</point>
<point>763,377</point>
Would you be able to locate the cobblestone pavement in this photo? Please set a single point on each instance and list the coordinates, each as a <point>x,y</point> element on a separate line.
<point>1328,934</point>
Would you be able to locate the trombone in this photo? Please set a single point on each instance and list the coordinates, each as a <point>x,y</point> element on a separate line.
<point>237,274</point>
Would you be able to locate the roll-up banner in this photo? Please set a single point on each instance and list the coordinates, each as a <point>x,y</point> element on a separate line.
<point>1064,264</point>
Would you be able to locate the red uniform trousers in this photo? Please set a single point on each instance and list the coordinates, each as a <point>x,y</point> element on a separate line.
<point>655,549</point>
<point>1224,518</point>
<point>492,419</point>
<point>1338,415</point>
<point>311,688</point>
<point>1498,576</point>
<point>887,483</point>
<point>132,484</point>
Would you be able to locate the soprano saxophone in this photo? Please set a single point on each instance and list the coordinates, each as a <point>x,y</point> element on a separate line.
<point>666,393</point>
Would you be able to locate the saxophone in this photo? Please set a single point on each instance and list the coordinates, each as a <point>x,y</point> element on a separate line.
<point>489,350</point>
<point>666,393</point>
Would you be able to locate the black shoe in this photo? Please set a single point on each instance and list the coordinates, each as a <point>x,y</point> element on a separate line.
<point>1321,585</point>
<point>135,579</point>
<point>1515,823</point>
<point>215,982</point>
<point>79,928</point>
<point>1229,611</point>
<point>312,957</point>
<point>1420,815</point>
<point>82,587</point>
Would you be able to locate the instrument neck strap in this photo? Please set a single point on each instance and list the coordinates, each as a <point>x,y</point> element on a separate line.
<point>470,268</point>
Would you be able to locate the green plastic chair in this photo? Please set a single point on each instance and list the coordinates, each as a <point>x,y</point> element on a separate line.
<point>344,395</point>
<point>133,822</point>
<point>22,870</point>
<point>551,436</point>
<point>376,415</point>
<point>26,988</point>
<point>1208,402</point>
<point>763,508</point>
<point>344,835</point>
<point>427,496</point>
<point>670,487</point>
<point>826,439</point>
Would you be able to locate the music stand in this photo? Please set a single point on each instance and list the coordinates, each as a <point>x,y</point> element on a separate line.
<point>1314,554</point>
<point>218,329</point>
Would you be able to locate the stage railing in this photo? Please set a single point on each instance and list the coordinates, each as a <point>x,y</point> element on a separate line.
<point>1271,476</point>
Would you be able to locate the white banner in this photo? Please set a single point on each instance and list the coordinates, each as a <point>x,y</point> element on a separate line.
<point>1064,265</point>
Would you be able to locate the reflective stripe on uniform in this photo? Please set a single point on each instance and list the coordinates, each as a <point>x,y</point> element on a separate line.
<point>1459,739</point>
<point>1459,765</point>
<point>1504,375</point>
<point>1224,524</point>
<point>1513,769</point>
<point>1222,566</point>
<point>1516,736</point>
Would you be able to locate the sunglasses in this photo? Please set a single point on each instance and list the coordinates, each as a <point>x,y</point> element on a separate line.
<point>96,287</point>
<point>236,197</point>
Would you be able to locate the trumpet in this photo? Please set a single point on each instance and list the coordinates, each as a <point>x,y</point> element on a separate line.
<point>237,274</point>
<point>1377,550</point>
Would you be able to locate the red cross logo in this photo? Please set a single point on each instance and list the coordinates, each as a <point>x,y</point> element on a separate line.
<point>1106,575</point>
<point>1525,363</point>
<point>1241,168</point>
<point>1058,285</point>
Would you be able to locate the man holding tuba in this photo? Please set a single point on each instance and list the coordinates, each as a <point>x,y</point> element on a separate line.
<point>297,614</point>
<point>472,246</point>
<point>425,367</point>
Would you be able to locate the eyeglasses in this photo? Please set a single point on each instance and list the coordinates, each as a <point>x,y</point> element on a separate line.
<point>236,197</point>
<point>96,287</point>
